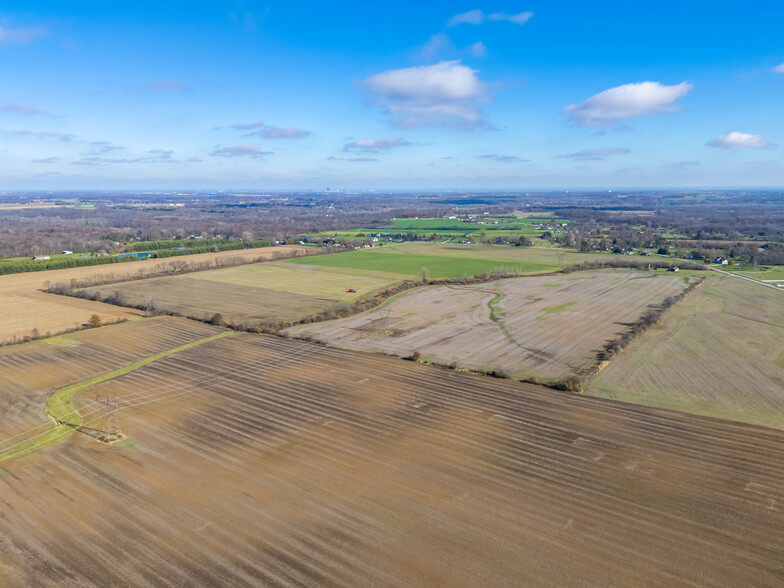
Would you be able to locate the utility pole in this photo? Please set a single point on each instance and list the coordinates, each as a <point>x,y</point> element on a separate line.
<point>110,428</point>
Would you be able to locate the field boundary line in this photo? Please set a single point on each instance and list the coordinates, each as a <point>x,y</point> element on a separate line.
<point>61,409</point>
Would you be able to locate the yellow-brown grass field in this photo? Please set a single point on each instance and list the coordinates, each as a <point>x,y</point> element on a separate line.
<point>26,307</point>
<point>719,352</point>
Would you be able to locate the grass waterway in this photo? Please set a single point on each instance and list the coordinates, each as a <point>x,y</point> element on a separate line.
<point>61,409</point>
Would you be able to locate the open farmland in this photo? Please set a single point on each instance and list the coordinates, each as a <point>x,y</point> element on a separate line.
<point>448,261</point>
<point>26,307</point>
<point>720,353</point>
<point>32,371</point>
<point>544,328</point>
<point>294,289</point>
<point>251,293</point>
<point>256,460</point>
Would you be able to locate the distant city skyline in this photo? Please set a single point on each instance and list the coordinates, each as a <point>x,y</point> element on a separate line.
<point>301,95</point>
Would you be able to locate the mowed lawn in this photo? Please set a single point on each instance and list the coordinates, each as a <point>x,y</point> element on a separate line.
<point>441,261</point>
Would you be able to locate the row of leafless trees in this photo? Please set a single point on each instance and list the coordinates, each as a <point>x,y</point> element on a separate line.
<point>170,268</point>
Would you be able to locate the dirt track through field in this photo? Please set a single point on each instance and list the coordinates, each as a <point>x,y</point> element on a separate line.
<point>260,461</point>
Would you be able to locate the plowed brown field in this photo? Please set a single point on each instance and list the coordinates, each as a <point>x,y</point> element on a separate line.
<point>260,461</point>
<point>544,327</point>
<point>32,371</point>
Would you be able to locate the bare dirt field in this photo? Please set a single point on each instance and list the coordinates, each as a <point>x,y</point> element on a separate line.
<point>719,352</point>
<point>31,371</point>
<point>257,460</point>
<point>26,307</point>
<point>543,327</point>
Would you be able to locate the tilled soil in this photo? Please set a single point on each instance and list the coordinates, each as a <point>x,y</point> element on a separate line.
<point>255,460</point>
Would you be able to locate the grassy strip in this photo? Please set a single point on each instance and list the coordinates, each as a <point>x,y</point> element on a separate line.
<point>61,408</point>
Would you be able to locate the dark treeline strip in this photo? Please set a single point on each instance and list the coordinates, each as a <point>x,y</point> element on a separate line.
<point>203,246</point>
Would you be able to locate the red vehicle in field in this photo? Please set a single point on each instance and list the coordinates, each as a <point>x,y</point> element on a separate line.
<point>351,291</point>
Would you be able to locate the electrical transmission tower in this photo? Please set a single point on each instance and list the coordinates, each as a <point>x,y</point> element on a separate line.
<point>110,428</point>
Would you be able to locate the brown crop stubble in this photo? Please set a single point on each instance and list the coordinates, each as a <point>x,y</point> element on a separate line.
<point>278,462</point>
<point>31,371</point>
<point>539,327</point>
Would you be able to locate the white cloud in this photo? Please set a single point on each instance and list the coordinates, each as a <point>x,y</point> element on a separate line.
<point>642,99</point>
<point>595,154</point>
<point>442,95</point>
<point>477,17</point>
<point>248,150</point>
<point>375,145</point>
<point>503,158</point>
<point>260,129</point>
<point>738,140</point>
<point>23,35</point>
<point>20,108</point>
<point>354,159</point>
<point>440,47</point>
<point>779,68</point>
<point>478,49</point>
<point>470,17</point>
<point>520,19</point>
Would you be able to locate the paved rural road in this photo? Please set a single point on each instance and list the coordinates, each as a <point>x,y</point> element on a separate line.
<point>726,273</point>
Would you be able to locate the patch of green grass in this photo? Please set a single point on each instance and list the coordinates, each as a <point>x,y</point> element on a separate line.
<point>553,309</point>
<point>60,406</point>
<point>495,310</point>
<point>551,285</point>
<point>128,444</point>
<point>399,261</point>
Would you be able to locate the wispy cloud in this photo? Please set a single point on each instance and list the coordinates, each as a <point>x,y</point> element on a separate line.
<point>42,135</point>
<point>102,147</point>
<point>20,108</point>
<point>595,154</point>
<point>440,47</point>
<point>150,156</point>
<point>738,140</point>
<point>251,150</point>
<point>20,35</point>
<point>477,17</point>
<point>259,129</point>
<point>642,99</point>
<point>355,159</point>
<point>503,158</point>
<point>375,145</point>
<point>47,160</point>
<point>446,94</point>
<point>779,68</point>
<point>155,87</point>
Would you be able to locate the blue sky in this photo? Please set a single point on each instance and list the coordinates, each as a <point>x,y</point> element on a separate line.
<point>290,95</point>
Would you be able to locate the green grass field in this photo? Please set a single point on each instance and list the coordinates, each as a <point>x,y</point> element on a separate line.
<point>440,262</point>
<point>768,272</point>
